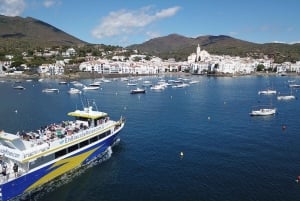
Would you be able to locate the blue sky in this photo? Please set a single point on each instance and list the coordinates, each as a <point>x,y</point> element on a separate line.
<point>126,22</point>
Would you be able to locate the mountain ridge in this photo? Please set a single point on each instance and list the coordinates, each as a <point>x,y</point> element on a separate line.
<point>17,32</point>
<point>22,34</point>
<point>222,45</point>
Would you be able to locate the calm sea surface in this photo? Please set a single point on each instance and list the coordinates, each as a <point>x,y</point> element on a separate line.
<point>228,155</point>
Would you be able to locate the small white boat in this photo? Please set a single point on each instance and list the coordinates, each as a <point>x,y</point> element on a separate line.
<point>267,92</point>
<point>90,87</point>
<point>263,111</point>
<point>287,97</point>
<point>77,84</point>
<point>147,83</point>
<point>138,91</point>
<point>50,90</point>
<point>106,80</point>
<point>180,85</point>
<point>131,84</point>
<point>74,91</point>
<point>194,82</point>
<point>95,84</point>
<point>157,87</point>
<point>63,82</point>
<point>294,85</point>
<point>19,87</point>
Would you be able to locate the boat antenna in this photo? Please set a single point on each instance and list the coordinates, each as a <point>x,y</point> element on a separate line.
<point>88,103</point>
<point>95,105</point>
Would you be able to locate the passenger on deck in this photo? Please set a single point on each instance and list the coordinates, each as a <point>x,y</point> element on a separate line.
<point>16,169</point>
<point>4,169</point>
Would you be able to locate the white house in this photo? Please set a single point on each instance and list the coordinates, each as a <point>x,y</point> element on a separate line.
<point>51,69</point>
<point>69,52</point>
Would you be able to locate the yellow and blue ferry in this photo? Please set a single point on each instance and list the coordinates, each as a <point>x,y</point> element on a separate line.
<point>28,160</point>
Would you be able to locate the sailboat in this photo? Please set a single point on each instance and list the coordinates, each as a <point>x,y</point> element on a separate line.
<point>286,97</point>
<point>263,110</point>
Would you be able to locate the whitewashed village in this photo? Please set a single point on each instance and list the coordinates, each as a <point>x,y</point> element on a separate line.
<point>199,62</point>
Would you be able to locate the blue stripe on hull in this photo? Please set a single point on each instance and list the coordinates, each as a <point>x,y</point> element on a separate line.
<point>18,186</point>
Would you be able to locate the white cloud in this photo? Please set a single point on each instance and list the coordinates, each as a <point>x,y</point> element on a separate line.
<point>276,41</point>
<point>12,7</point>
<point>152,34</point>
<point>283,42</point>
<point>233,33</point>
<point>50,3</point>
<point>125,22</point>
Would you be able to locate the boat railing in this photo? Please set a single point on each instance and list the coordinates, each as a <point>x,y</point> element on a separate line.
<point>40,147</point>
<point>78,135</point>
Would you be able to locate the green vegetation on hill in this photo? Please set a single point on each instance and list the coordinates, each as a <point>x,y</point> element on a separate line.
<point>21,34</point>
<point>180,47</point>
<point>18,35</point>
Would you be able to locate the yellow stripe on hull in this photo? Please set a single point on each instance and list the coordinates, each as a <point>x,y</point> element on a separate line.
<point>64,166</point>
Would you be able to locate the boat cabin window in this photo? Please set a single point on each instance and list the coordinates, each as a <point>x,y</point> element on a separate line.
<point>84,143</point>
<point>8,144</point>
<point>13,144</point>
<point>60,153</point>
<point>73,148</point>
<point>94,139</point>
<point>103,135</point>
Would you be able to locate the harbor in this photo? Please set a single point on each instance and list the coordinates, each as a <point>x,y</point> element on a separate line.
<point>190,143</point>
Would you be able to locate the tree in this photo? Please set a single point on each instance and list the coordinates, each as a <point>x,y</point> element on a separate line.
<point>260,67</point>
<point>136,58</point>
<point>147,58</point>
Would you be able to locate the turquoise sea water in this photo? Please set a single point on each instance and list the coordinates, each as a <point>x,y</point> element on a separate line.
<point>228,155</point>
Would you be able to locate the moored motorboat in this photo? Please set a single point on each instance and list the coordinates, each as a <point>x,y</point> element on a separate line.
<point>57,149</point>
<point>294,85</point>
<point>138,91</point>
<point>74,91</point>
<point>19,87</point>
<point>263,111</point>
<point>50,90</point>
<point>131,84</point>
<point>158,87</point>
<point>147,83</point>
<point>90,87</point>
<point>287,97</point>
<point>95,84</point>
<point>267,92</point>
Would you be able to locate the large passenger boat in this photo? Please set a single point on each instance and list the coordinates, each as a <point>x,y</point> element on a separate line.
<point>31,159</point>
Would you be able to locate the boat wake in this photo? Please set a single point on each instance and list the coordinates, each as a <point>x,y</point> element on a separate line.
<point>38,193</point>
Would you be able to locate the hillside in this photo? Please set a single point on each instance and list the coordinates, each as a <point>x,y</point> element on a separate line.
<point>180,47</point>
<point>22,33</point>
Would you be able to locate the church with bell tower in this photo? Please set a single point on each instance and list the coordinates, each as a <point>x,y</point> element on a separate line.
<point>199,56</point>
